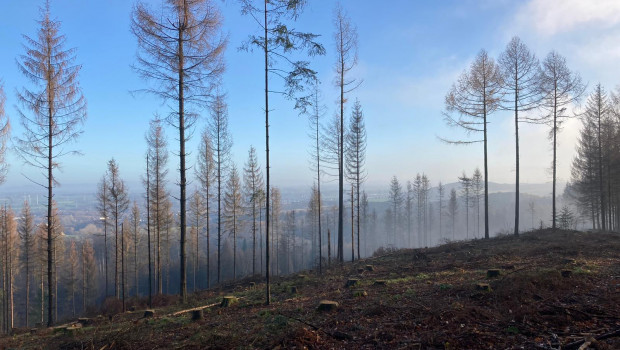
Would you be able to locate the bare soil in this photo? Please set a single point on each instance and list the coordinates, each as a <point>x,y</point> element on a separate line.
<point>431,299</point>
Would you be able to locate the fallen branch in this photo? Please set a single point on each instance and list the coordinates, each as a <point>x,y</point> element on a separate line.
<point>578,344</point>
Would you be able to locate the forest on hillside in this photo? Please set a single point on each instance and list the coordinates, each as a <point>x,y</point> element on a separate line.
<point>233,222</point>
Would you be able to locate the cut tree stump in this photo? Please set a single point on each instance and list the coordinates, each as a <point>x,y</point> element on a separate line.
<point>293,290</point>
<point>369,268</point>
<point>380,283</point>
<point>352,282</point>
<point>491,273</point>
<point>327,305</point>
<point>149,313</point>
<point>483,287</point>
<point>566,273</point>
<point>197,315</point>
<point>229,301</point>
<point>358,293</point>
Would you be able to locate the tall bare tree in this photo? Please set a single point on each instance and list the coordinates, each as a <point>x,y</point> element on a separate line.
<point>441,193</point>
<point>72,278</point>
<point>396,204</point>
<point>118,202</point>
<point>560,88</point>
<point>233,210</point>
<point>134,221</point>
<point>521,72</point>
<point>253,184</point>
<point>205,172</point>
<point>88,273</point>
<point>26,230</point>
<point>453,206</point>
<point>52,112</point>
<point>103,208</point>
<point>475,95</point>
<point>345,38</point>
<point>182,53</point>
<point>315,112</point>
<point>356,159</point>
<point>157,161</point>
<point>221,144</point>
<point>278,42</point>
<point>466,190</point>
<point>5,128</point>
<point>197,210</point>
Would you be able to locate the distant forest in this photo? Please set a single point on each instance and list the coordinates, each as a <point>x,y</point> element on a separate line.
<point>235,223</point>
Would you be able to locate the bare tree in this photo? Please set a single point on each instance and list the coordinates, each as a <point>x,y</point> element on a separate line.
<point>396,204</point>
<point>9,235</point>
<point>521,72</point>
<point>157,161</point>
<point>103,208</point>
<point>72,280</point>
<point>316,111</point>
<point>466,189</point>
<point>88,273</point>
<point>441,191</point>
<point>278,43</point>
<point>118,202</point>
<point>205,172</point>
<point>473,97</point>
<point>476,181</point>
<point>5,128</point>
<point>135,234</point>
<point>409,203</point>
<point>453,206</point>
<point>221,144</point>
<point>345,38</point>
<point>560,88</point>
<point>356,159</point>
<point>182,52</point>
<point>53,111</point>
<point>197,210</point>
<point>26,230</point>
<point>253,183</point>
<point>233,209</point>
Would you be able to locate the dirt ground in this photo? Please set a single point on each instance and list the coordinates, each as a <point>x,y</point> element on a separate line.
<point>437,298</point>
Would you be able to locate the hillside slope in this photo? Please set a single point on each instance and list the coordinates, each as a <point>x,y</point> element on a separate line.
<point>428,300</point>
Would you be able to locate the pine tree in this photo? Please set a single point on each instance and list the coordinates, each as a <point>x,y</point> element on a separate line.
<point>252,185</point>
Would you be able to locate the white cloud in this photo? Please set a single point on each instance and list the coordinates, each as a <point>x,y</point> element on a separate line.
<point>551,17</point>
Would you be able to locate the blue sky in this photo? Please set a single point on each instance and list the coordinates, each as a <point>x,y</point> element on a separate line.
<point>410,52</point>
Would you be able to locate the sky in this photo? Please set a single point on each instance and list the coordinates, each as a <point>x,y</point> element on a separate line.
<point>410,52</point>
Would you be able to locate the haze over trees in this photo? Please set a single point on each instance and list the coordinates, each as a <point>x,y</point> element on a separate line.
<point>58,269</point>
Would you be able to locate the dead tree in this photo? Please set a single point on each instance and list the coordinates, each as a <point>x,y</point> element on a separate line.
<point>52,112</point>
<point>181,51</point>
<point>475,95</point>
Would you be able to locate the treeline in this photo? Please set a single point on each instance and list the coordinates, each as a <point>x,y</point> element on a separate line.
<point>595,171</point>
<point>534,91</point>
<point>181,58</point>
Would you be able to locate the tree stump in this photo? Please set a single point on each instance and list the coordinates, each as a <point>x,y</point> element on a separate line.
<point>380,283</point>
<point>85,321</point>
<point>229,301</point>
<point>358,293</point>
<point>492,273</point>
<point>293,290</point>
<point>149,313</point>
<point>352,282</point>
<point>327,305</point>
<point>197,315</point>
<point>483,287</point>
<point>566,273</point>
<point>369,268</point>
<point>252,285</point>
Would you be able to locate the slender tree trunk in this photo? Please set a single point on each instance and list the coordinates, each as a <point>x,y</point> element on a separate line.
<point>516,154</point>
<point>182,218</point>
<point>148,230</point>
<point>486,172</point>
<point>352,225</point>
<point>50,182</point>
<point>267,194</point>
<point>123,265</point>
